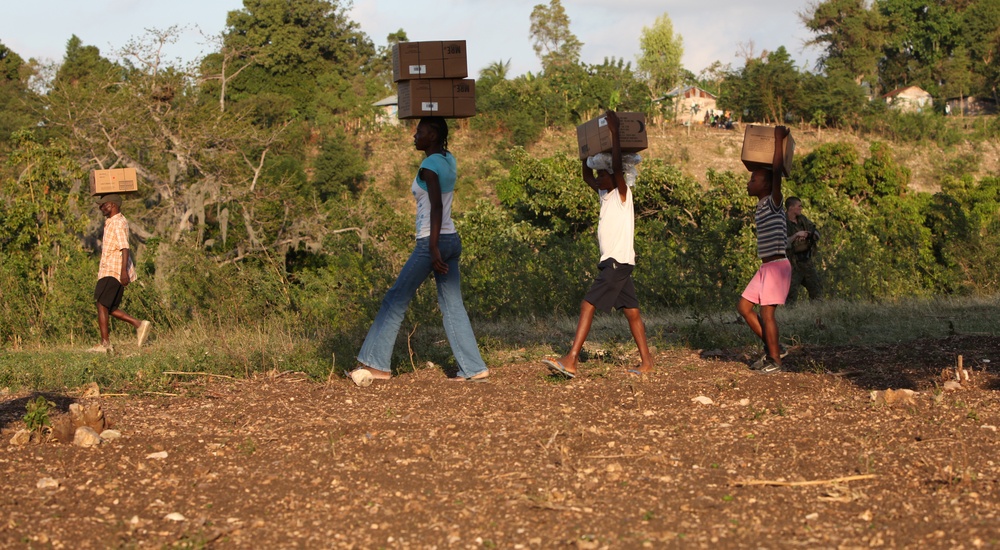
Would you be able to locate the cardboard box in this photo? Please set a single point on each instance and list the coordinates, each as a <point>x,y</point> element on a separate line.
<point>119,180</point>
<point>594,137</point>
<point>428,60</point>
<point>450,98</point>
<point>758,149</point>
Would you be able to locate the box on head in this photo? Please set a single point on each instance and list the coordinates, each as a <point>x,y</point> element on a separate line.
<point>594,137</point>
<point>428,60</point>
<point>450,98</point>
<point>117,180</point>
<point>758,149</point>
<point>431,79</point>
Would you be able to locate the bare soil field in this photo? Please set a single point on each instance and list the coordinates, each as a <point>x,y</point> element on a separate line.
<point>704,453</point>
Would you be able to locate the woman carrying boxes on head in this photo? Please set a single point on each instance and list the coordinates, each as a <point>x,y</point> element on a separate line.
<point>438,248</point>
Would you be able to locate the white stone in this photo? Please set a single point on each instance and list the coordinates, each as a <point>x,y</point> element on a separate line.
<point>85,436</point>
<point>362,377</point>
<point>744,402</point>
<point>21,437</point>
<point>111,435</point>
<point>157,456</point>
<point>703,400</point>
<point>47,483</point>
<point>174,516</point>
<point>952,385</point>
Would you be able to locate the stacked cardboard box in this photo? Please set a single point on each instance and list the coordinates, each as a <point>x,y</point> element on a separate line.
<point>118,180</point>
<point>758,149</point>
<point>431,77</point>
<point>594,137</point>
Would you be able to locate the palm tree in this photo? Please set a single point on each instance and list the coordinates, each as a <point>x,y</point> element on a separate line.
<point>496,70</point>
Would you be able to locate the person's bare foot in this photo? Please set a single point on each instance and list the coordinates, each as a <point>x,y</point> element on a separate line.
<point>557,367</point>
<point>569,363</point>
<point>644,368</point>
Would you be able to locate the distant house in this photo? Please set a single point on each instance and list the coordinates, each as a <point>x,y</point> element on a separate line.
<point>911,99</point>
<point>390,108</point>
<point>691,103</point>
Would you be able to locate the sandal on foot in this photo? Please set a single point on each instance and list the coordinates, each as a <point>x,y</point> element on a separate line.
<point>364,377</point>
<point>557,368</point>
<point>478,377</point>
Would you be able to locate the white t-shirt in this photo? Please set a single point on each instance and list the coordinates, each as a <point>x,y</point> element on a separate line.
<point>445,167</point>
<point>616,227</point>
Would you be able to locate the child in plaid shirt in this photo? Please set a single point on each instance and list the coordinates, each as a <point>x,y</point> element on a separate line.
<point>115,273</point>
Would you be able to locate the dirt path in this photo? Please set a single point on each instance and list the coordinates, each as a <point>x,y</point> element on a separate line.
<point>525,461</point>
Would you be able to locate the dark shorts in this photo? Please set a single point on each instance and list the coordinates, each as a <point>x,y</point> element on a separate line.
<point>109,293</point>
<point>613,287</point>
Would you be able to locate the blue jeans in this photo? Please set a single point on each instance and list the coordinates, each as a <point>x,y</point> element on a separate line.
<point>376,352</point>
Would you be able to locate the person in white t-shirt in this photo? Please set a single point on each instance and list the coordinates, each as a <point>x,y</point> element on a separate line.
<point>613,288</point>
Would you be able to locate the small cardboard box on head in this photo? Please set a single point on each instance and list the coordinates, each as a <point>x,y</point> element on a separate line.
<point>450,98</point>
<point>594,137</point>
<point>434,59</point>
<point>118,180</point>
<point>758,149</point>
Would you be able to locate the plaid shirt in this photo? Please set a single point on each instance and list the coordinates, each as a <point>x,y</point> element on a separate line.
<point>115,240</point>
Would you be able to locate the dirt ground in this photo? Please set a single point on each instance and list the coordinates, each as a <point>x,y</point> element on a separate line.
<point>798,459</point>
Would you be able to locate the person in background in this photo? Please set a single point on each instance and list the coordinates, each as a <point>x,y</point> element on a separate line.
<point>115,273</point>
<point>802,239</point>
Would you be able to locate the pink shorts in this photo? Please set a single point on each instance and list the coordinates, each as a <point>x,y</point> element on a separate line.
<point>769,286</point>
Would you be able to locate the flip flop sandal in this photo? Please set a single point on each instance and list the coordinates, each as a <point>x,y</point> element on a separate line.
<point>556,368</point>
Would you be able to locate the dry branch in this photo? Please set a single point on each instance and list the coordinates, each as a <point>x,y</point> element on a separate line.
<point>802,483</point>
<point>198,374</point>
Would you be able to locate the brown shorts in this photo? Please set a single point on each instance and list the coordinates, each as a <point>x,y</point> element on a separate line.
<point>613,287</point>
<point>109,293</point>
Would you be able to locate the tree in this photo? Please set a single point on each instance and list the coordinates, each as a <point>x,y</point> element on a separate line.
<point>765,89</point>
<point>81,61</point>
<point>40,224</point>
<point>194,162</point>
<point>610,85</point>
<point>381,64</point>
<point>830,100</point>
<point>982,34</point>
<point>661,55</point>
<point>851,35</point>
<point>226,64</point>
<point>495,71</point>
<point>554,44</point>
<point>298,42</point>
<point>16,100</point>
<point>919,36</point>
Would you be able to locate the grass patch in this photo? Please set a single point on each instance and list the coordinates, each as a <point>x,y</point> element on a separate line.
<point>276,346</point>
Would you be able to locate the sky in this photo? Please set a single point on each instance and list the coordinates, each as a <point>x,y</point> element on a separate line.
<point>494,30</point>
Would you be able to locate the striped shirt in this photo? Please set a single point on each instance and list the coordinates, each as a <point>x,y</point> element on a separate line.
<point>115,240</point>
<point>771,228</point>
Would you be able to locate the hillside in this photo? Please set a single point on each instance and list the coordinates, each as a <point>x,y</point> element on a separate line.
<point>392,159</point>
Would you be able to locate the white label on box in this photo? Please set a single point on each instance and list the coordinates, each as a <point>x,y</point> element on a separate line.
<point>429,106</point>
<point>418,69</point>
<point>602,122</point>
